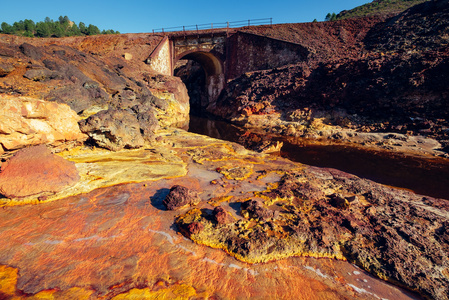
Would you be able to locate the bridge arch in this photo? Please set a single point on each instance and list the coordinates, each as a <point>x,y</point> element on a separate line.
<point>214,73</point>
<point>212,65</point>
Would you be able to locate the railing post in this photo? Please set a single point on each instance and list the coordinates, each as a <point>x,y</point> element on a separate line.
<point>239,23</point>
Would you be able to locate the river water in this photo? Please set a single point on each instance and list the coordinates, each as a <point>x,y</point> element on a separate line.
<point>427,177</point>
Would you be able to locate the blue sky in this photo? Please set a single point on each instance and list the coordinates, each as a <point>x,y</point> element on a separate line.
<point>144,16</point>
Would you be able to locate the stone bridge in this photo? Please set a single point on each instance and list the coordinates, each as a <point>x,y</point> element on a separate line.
<point>224,54</point>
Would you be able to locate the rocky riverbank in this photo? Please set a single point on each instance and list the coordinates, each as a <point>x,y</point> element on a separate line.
<point>85,76</point>
<point>258,208</point>
<point>102,198</point>
<point>382,84</point>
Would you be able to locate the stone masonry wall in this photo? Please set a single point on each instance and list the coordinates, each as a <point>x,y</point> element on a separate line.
<point>160,59</point>
<point>251,52</point>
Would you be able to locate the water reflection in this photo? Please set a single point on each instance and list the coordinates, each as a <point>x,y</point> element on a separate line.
<point>424,176</point>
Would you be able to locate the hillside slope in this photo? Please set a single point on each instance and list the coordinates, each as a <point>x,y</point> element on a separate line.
<point>397,82</point>
<point>379,7</point>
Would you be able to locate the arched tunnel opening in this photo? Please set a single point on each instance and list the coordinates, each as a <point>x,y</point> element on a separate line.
<point>202,73</point>
<point>194,77</point>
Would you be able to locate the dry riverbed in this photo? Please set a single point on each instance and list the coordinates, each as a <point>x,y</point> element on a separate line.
<point>288,230</point>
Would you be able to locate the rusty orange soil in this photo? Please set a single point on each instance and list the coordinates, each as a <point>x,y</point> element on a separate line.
<point>112,240</point>
<point>119,242</point>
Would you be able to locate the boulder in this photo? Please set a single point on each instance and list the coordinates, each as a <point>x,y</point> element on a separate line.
<point>147,120</point>
<point>39,74</point>
<point>35,171</point>
<point>220,215</point>
<point>113,129</point>
<point>180,197</point>
<point>31,51</point>
<point>5,69</point>
<point>27,121</point>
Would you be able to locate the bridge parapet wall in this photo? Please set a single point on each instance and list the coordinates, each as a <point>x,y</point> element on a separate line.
<point>250,52</point>
<point>199,43</point>
<point>160,59</point>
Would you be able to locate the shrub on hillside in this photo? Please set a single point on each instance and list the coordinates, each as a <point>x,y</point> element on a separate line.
<point>49,28</point>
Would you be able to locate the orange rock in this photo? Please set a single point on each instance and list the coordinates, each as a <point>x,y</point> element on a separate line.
<point>35,171</point>
<point>27,121</point>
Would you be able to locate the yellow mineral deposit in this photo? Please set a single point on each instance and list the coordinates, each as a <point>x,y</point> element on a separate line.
<point>109,237</point>
<point>101,168</point>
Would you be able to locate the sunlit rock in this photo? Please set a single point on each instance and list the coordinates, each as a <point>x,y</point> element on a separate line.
<point>27,121</point>
<point>35,171</point>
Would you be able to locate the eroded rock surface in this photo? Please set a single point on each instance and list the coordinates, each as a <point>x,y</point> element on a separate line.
<point>36,171</point>
<point>113,129</point>
<point>291,210</point>
<point>88,73</point>
<point>26,121</point>
<point>395,234</point>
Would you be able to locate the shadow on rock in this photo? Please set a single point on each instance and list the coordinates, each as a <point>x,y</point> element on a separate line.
<point>158,197</point>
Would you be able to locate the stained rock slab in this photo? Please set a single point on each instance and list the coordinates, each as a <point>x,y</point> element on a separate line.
<point>34,171</point>
<point>26,121</point>
<point>394,234</point>
<point>108,234</point>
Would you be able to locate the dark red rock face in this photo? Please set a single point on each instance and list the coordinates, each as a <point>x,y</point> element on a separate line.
<point>35,170</point>
<point>179,197</point>
<point>194,228</point>
<point>390,77</point>
<point>220,215</point>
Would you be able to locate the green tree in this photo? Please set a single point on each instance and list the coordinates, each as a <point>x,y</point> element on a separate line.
<point>63,20</point>
<point>93,30</point>
<point>43,29</point>
<point>18,27</point>
<point>29,25</point>
<point>28,34</point>
<point>83,28</point>
<point>6,28</point>
<point>58,30</point>
<point>73,30</point>
<point>110,31</point>
<point>330,17</point>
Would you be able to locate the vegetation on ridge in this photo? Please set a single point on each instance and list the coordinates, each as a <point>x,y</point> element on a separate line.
<point>378,7</point>
<point>49,28</point>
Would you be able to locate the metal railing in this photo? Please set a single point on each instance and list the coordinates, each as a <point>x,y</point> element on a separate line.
<point>235,24</point>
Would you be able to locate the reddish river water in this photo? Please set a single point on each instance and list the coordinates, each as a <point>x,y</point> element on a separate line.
<point>427,177</point>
